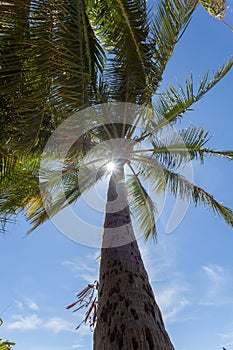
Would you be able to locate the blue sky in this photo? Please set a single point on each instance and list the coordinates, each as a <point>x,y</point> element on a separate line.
<point>190,269</point>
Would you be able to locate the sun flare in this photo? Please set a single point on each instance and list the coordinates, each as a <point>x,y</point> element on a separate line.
<point>111,166</point>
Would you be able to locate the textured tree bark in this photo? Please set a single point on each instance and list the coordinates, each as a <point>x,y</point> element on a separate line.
<point>128,316</point>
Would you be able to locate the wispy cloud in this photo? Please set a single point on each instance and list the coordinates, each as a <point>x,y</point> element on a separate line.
<point>227,337</point>
<point>215,274</point>
<point>32,305</point>
<point>170,292</point>
<point>86,270</point>
<point>27,303</point>
<point>158,265</point>
<point>30,322</point>
<point>57,324</point>
<point>217,282</point>
<point>172,300</point>
<point>25,322</point>
<point>19,304</point>
<point>77,346</point>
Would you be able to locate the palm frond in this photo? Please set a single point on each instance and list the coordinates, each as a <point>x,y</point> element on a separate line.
<point>164,179</point>
<point>217,9</point>
<point>62,189</point>
<point>18,185</point>
<point>7,163</point>
<point>4,221</point>
<point>141,206</point>
<point>180,147</point>
<point>50,60</point>
<point>123,29</point>
<point>221,154</point>
<point>78,56</point>
<point>183,146</point>
<point>24,67</point>
<point>173,103</point>
<point>170,21</point>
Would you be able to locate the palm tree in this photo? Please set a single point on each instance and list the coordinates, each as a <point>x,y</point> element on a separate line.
<point>79,55</point>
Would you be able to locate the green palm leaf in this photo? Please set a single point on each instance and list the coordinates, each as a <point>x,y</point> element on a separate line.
<point>173,103</point>
<point>49,65</point>
<point>163,179</point>
<point>170,20</point>
<point>124,30</point>
<point>141,206</point>
<point>217,9</point>
<point>74,181</point>
<point>183,146</point>
<point>21,174</point>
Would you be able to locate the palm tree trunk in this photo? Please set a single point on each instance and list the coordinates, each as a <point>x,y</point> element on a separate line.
<point>128,316</point>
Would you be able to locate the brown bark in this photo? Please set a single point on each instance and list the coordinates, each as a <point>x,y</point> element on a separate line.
<point>128,316</point>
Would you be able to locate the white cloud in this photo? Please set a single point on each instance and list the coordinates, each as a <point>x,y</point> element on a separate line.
<point>171,315</point>
<point>32,305</point>
<point>227,337</point>
<point>19,304</point>
<point>49,347</point>
<point>83,270</point>
<point>57,325</point>
<point>172,301</point>
<point>54,324</point>
<point>77,346</point>
<point>27,302</point>
<point>25,322</point>
<point>170,288</point>
<point>84,330</point>
<point>158,265</point>
<point>214,273</point>
<point>217,290</point>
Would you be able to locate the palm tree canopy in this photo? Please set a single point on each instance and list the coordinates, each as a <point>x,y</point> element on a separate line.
<point>58,57</point>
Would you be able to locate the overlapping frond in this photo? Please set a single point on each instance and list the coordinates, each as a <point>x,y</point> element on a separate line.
<point>49,65</point>
<point>180,147</point>
<point>123,29</point>
<point>142,206</point>
<point>183,146</point>
<point>18,185</point>
<point>63,188</point>
<point>23,73</point>
<point>78,56</point>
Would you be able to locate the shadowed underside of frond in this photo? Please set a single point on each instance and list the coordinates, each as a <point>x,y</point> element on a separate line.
<point>49,63</point>
<point>123,29</point>
<point>139,42</point>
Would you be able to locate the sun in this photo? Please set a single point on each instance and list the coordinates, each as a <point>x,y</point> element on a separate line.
<point>111,166</point>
